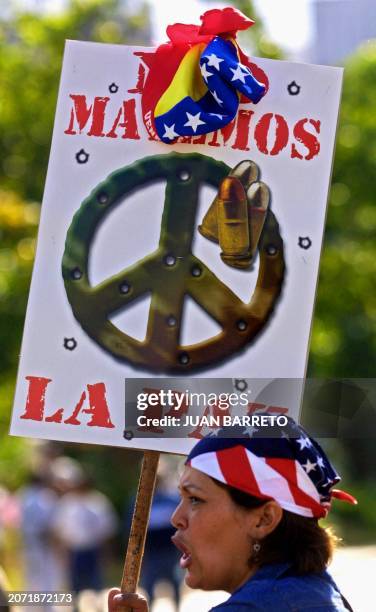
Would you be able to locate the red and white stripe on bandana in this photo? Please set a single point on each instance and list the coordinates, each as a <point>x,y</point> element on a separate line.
<point>291,469</point>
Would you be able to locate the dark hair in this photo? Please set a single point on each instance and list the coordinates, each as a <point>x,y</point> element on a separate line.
<point>298,540</point>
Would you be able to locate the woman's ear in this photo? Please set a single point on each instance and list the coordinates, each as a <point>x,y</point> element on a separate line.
<point>265,519</point>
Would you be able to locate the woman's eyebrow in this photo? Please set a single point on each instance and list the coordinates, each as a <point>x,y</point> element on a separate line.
<point>188,487</point>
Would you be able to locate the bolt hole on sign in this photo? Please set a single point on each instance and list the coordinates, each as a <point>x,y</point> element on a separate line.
<point>181,229</point>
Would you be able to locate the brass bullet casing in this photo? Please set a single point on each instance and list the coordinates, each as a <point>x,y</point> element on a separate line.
<point>247,172</point>
<point>233,226</point>
<point>258,198</point>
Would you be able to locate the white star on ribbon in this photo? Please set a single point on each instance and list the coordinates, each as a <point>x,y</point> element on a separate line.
<point>214,60</point>
<point>238,74</point>
<point>194,121</point>
<point>170,132</point>
<point>304,443</point>
<point>309,466</point>
<point>320,462</point>
<point>216,115</point>
<point>205,72</point>
<point>217,98</point>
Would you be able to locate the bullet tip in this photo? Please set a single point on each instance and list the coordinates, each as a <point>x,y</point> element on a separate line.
<point>231,189</point>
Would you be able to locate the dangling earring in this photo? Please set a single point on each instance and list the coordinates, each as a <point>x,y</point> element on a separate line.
<point>256,547</point>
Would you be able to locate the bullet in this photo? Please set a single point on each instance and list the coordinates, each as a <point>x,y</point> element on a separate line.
<point>247,172</point>
<point>258,198</point>
<point>233,227</point>
<point>209,225</point>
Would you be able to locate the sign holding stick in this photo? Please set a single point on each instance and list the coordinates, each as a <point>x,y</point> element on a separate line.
<point>136,542</point>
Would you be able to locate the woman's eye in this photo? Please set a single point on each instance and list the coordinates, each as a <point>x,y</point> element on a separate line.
<point>194,500</point>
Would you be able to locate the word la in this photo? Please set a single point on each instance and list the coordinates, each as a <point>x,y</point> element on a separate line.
<point>92,402</point>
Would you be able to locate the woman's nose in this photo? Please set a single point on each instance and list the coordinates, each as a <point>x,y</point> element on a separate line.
<point>178,519</point>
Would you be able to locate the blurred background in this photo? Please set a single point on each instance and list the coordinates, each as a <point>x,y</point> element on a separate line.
<point>43,485</point>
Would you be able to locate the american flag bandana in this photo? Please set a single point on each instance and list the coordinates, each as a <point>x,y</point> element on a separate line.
<point>196,81</point>
<point>288,467</point>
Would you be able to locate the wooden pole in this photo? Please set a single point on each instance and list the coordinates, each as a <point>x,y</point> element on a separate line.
<point>140,520</point>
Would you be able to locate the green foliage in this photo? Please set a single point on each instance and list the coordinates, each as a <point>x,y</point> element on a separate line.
<point>344,331</point>
<point>31,53</point>
<point>18,224</point>
<point>356,524</point>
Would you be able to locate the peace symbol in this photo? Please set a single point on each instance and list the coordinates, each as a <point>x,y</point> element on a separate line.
<point>170,273</point>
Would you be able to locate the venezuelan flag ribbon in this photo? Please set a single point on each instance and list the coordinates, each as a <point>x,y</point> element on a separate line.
<point>197,80</point>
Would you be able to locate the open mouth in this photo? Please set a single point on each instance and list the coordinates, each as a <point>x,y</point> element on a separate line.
<point>186,558</point>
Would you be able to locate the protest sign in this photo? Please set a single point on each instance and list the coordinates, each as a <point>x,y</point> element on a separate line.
<point>133,275</point>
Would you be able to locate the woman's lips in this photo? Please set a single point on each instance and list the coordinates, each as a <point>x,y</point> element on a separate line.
<point>186,558</point>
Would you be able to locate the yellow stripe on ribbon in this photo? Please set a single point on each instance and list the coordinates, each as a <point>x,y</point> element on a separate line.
<point>187,81</point>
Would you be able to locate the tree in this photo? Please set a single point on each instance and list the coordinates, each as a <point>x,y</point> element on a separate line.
<point>31,53</point>
<point>18,224</point>
<point>344,331</point>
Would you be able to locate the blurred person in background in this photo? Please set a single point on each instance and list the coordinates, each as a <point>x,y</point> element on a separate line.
<point>83,523</point>
<point>9,513</point>
<point>9,517</point>
<point>4,587</point>
<point>38,504</point>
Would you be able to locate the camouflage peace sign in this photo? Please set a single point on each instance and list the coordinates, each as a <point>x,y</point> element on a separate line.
<point>170,273</point>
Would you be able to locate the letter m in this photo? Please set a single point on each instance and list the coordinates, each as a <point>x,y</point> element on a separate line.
<point>81,113</point>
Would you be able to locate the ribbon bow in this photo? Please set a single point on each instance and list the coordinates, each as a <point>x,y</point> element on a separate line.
<point>197,80</point>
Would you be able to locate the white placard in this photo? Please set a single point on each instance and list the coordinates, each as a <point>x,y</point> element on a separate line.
<point>66,380</point>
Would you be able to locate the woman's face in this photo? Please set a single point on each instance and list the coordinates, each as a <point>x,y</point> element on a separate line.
<point>213,534</point>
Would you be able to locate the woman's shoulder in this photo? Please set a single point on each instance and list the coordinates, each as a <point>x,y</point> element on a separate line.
<point>278,588</point>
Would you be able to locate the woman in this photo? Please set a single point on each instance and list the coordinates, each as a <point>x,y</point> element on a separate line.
<point>247,523</point>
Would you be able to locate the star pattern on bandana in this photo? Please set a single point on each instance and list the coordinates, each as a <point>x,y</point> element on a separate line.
<point>308,466</point>
<point>314,463</point>
<point>304,443</point>
<point>249,430</point>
